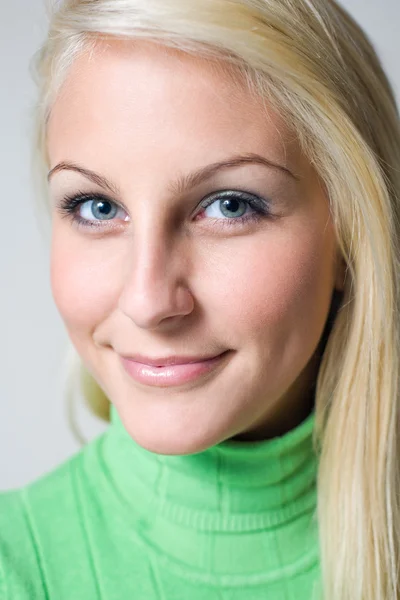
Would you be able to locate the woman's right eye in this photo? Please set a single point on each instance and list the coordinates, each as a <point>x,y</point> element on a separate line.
<point>89,210</point>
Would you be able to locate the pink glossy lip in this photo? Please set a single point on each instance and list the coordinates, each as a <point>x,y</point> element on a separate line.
<point>170,374</point>
<point>167,360</point>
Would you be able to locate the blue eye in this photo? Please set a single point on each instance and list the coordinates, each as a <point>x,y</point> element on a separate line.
<point>236,208</point>
<point>230,203</point>
<point>102,210</point>
<point>89,210</point>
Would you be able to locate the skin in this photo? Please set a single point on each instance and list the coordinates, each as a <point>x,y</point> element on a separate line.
<point>164,277</point>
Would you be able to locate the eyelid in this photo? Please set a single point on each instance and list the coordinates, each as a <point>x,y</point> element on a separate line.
<point>77,199</point>
<point>70,204</point>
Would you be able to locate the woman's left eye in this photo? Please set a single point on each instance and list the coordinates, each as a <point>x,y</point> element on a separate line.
<point>90,210</point>
<point>235,207</point>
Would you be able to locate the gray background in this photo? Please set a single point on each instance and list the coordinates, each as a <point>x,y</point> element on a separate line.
<point>34,432</point>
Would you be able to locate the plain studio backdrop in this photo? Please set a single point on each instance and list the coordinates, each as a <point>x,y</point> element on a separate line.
<point>34,431</point>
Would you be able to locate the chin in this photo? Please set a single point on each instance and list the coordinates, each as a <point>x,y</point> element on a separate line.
<point>172,442</point>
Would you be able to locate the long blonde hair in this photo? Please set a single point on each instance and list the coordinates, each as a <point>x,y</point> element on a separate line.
<point>315,65</point>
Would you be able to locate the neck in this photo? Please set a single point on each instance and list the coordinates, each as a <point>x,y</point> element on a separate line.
<point>240,495</point>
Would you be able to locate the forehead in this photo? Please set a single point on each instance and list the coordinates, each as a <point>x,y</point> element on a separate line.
<point>135,98</point>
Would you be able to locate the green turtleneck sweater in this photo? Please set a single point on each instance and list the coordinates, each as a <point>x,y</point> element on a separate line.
<point>117,522</point>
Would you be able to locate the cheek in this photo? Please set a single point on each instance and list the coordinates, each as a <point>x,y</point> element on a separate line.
<point>82,285</point>
<point>279,285</point>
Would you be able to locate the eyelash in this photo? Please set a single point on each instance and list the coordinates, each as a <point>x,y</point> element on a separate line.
<point>70,204</point>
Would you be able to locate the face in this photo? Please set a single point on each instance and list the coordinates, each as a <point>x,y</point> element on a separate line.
<point>148,259</point>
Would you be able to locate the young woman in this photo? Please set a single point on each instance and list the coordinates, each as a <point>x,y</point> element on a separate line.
<point>223,181</point>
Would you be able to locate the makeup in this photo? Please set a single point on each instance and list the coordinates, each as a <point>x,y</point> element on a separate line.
<point>172,375</point>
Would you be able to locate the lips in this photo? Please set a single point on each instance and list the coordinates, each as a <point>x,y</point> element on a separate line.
<point>175,374</point>
<point>169,360</point>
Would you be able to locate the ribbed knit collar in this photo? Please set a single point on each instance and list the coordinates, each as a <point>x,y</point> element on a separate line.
<point>208,511</point>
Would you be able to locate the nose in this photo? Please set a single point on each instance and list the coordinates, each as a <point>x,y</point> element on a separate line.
<point>154,287</point>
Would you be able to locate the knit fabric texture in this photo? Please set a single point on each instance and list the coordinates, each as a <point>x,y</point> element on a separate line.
<point>118,522</point>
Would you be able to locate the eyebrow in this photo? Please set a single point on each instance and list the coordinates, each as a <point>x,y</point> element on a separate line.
<point>185,182</point>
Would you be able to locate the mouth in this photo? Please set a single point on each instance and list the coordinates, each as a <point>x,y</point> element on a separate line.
<point>172,374</point>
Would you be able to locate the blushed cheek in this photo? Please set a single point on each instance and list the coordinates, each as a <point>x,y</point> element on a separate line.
<point>279,290</point>
<point>83,289</point>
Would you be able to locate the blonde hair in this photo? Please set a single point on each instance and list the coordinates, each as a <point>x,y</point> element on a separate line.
<point>316,66</point>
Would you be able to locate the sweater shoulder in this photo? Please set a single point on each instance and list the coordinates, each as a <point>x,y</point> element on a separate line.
<point>38,521</point>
